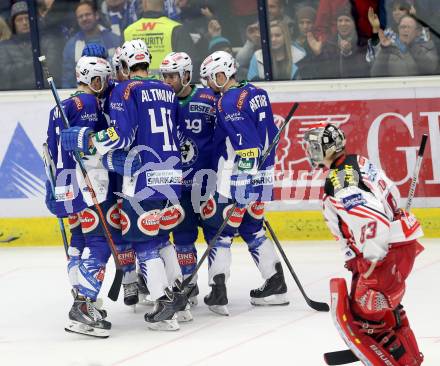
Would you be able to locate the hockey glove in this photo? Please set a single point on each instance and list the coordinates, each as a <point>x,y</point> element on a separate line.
<point>95,50</point>
<point>77,138</point>
<point>50,199</point>
<point>119,161</point>
<point>242,189</point>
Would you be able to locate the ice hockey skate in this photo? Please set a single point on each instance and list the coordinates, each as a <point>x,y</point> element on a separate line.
<point>143,293</point>
<point>163,316</point>
<point>85,319</point>
<point>217,298</point>
<point>193,291</point>
<point>272,292</point>
<point>131,297</point>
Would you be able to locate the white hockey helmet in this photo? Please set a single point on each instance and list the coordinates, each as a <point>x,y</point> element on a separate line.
<point>219,61</point>
<point>323,142</point>
<point>179,62</point>
<point>88,68</point>
<point>134,52</point>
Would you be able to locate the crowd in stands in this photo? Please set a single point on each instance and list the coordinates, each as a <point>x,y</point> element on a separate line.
<point>309,39</point>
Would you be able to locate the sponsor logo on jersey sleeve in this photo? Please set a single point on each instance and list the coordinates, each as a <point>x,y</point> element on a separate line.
<point>208,209</point>
<point>234,117</point>
<point>236,217</point>
<point>256,210</point>
<point>251,153</point>
<point>353,201</point>
<point>64,193</point>
<point>130,86</point>
<point>74,221</point>
<point>241,99</point>
<point>78,103</point>
<point>113,216</point>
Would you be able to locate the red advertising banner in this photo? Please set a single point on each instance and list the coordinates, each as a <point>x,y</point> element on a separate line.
<point>388,132</point>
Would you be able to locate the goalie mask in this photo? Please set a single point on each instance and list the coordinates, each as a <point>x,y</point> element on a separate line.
<point>323,142</point>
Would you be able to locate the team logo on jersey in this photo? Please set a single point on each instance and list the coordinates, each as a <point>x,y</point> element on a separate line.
<point>126,257</point>
<point>124,221</point>
<point>89,220</point>
<point>189,152</point>
<point>236,217</point>
<point>149,222</point>
<point>113,216</point>
<point>256,210</point>
<point>171,217</point>
<point>208,209</point>
<point>74,221</point>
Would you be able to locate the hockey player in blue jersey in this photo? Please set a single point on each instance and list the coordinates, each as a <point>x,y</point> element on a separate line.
<point>196,124</point>
<point>245,129</point>
<point>88,251</point>
<point>143,116</point>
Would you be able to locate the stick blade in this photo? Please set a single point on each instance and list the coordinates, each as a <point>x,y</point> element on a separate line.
<point>319,306</point>
<point>113,293</point>
<point>340,357</point>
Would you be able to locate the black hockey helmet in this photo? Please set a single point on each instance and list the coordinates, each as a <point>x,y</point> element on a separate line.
<point>322,142</point>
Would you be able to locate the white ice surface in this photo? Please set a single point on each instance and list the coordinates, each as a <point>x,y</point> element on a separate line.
<point>35,300</point>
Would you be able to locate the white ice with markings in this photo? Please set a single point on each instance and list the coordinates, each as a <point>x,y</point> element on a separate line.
<point>35,300</point>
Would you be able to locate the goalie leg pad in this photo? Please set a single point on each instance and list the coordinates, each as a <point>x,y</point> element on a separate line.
<point>367,349</point>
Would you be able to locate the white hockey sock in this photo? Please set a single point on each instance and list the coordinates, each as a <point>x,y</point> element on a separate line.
<point>219,262</point>
<point>129,277</point>
<point>73,265</point>
<point>264,255</point>
<point>156,277</point>
<point>172,267</point>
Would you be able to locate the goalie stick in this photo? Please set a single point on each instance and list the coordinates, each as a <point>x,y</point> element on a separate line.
<point>347,356</point>
<point>212,242</point>
<point>116,285</point>
<point>318,306</point>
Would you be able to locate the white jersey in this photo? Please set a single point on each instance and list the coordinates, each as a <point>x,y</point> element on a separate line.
<point>360,204</point>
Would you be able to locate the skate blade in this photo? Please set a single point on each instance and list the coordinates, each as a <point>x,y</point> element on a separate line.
<point>185,315</point>
<point>164,325</point>
<point>145,300</point>
<point>81,328</point>
<point>193,301</point>
<point>219,309</point>
<point>273,300</point>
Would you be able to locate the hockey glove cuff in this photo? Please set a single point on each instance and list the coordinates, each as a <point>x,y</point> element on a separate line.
<point>77,138</point>
<point>121,162</point>
<point>50,199</point>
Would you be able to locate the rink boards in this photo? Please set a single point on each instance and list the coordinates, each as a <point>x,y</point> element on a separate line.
<point>382,118</point>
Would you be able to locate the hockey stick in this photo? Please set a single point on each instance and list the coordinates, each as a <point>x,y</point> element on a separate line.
<point>234,206</point>
<point>415,177</point>
<point>318,306</point>
<point>347,356</point>
<point>116,285</point>
<point>50,173</point>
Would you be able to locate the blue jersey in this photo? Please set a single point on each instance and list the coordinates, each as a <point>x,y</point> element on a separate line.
<point>245,129</point>
<point>143,115</point>
<point>196,128</point>
<point>71,192</point>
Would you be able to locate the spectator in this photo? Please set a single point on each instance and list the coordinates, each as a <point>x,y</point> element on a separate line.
<point>5,32</point>
<point>219,43</point>
<point>325,24</point>
<point>275,11</point>
<point>399,8</point>
<point>160,33</point>
<point>285,56</point>
<point>16,53</point>
<point>245,53</point>
<point>341,55</point>
<point>119,14</point>
<point>90,32</point>
<point>409,55</point>
<point>305,18</point>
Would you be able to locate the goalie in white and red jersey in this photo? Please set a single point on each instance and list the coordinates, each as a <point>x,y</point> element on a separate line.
<point>379,242</point>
